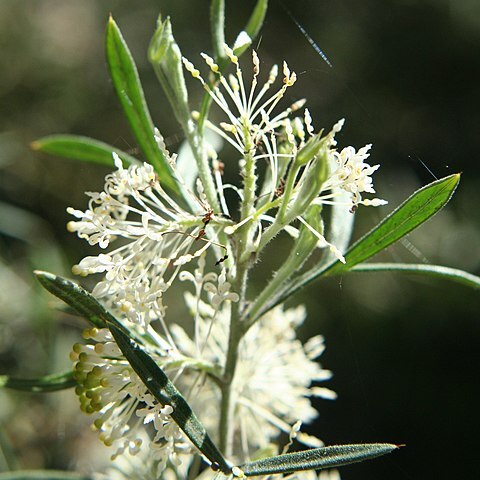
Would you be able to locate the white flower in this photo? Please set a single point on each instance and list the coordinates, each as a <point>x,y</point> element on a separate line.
<point>274,375</point>
<point>120,403</point>
<point>261,135</point>
<point>249,121</point>
<point>159,238</point>
<point>352,174</point>
<point>142,466</point>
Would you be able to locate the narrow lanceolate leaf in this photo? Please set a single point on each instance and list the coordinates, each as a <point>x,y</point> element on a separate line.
<point>166,58</point>
<point>81,148</point>
<point>453,274</point>
<point>417,209</point>
<point>151,374</point>
<point>217,27</point>
<point>166,393</point>
<point>255,22</point>
<point>78,298</point>
<point>316,459</point>
<point>130,93</point>
<point>43,475</point>
<point>48,383</point>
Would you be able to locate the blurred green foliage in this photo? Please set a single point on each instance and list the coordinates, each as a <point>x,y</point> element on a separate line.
<point>405,76</point>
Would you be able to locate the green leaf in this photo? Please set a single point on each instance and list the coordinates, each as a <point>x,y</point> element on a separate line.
<point>81,148</point>
<point>301,250</point>
<point>453,274</point>
<point>130,93</point>
<point>254,23</point>
<point>43,475</point>
<point>316,459</point>
<point>48,383</point>
<point>217,26</point>
<point>166,393</point>
<point>151,374</point>
<point>417,209</point>
<point>252,29</point>
<point>78,298</point>
<point>414,211</point>
<point>166,59</point>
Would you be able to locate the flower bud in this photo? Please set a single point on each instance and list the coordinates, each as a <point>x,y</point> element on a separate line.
<point>166,58</point>
<point>309,150</point>
<point>313,180</point>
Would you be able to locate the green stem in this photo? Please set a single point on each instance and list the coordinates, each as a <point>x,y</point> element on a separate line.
<point>204,110</point>
<point>194,138</point>
<point>273,230</point>
<point>251,316</point>
<point>195,141</point>
<point>283,217</point>
<point>245,247</point>
<point>217,20</point>
<point>235,335</point>
<point>288,191</point>
<point>244,250</point>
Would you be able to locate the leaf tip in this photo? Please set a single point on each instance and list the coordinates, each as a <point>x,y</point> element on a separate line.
<point>42,273</point>
<point>36,145</point>
<point>112,24</point>
<point>45,278</point>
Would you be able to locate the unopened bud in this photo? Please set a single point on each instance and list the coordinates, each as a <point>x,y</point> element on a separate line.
<point>313,181</point>
<point>309,150</point>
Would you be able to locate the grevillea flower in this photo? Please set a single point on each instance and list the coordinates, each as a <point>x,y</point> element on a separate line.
<point>294,154</point>
<point>275,372</point>
<point>159,238</point>
<point>272,387</point>
<point>118,400</point>
<point>120,403</point>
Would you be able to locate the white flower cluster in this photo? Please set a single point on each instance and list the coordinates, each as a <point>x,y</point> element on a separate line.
<point>160,237</point>
<point>111,391</point>
<point>272,386</point>
<point>351,174</point>
<point>274,375</point>
<point>275,371</point>
<point>258,133</point>
<point>161,240</point>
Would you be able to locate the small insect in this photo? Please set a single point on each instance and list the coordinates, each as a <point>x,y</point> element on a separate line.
<point>281,188</point>
<point>221,260</point>
<point>199,236</point>
<point>207,217</point>
<point>206,220</point>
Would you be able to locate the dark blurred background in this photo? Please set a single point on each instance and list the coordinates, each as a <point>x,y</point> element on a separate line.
<point>404,350</point>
